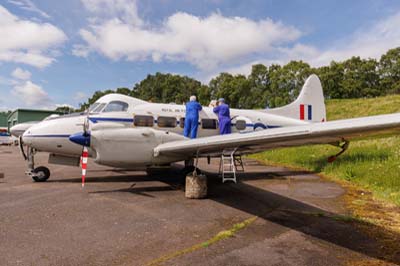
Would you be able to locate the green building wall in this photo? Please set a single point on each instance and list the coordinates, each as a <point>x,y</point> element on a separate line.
<point>3,119</point>
<point>27,115</point>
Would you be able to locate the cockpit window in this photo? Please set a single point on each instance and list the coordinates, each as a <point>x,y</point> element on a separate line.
<point>98,108</point>
<point>92,107</point>
<point>116,106</point>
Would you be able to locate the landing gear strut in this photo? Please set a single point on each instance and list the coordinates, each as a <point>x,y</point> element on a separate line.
<point>38,174</point>
<point>344,146</point>
<point>190,167</point>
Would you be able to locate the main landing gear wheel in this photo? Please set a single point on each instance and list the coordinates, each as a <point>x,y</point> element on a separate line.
<point>40,174</point>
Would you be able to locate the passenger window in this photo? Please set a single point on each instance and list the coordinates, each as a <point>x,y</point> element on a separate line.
<point>143,121</point>
<point>209,123</point>
<point>166,121</point>
<point>240,124</point>
<point>116,106</point>
<point>182,122</point>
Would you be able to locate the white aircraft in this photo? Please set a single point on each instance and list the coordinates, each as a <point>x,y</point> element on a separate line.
<point>126,132</point>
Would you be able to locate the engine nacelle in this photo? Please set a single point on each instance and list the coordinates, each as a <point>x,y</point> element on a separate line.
<point>130,147</point>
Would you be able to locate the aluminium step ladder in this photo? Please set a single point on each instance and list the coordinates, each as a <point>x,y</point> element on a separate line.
<point>229,165</point>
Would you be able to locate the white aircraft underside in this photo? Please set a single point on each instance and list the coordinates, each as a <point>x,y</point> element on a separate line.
<point>125,132</point>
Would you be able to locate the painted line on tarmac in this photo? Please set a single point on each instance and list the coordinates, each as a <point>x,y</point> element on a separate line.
<point>215,239</point>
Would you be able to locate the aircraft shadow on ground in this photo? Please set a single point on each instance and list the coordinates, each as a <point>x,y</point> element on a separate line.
<point>104,179</point>
<point>139,191</point>
<point>321,163</point>
<point>309,220</point>
<point>340,230</point>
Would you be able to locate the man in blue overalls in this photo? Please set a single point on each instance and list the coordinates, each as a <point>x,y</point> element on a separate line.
<point>192,118</point>
<point>224,117</point>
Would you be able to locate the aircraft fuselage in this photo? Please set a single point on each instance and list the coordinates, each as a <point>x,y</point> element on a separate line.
<point>121,135</point>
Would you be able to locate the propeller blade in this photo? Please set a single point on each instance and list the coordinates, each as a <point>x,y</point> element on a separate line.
<point>85,141</point>
<point>85,154</point>
<point>86,125</point>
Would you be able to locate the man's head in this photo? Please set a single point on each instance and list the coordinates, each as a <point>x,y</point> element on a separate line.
<point>221,100</point>
<point>192,98</point>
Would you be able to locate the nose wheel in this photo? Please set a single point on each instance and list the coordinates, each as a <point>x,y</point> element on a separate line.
<point>40,174</point>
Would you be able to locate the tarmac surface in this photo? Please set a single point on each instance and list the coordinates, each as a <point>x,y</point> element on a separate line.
<point>273,216</point>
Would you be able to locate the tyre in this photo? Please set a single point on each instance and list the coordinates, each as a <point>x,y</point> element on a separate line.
<point>41,174</point>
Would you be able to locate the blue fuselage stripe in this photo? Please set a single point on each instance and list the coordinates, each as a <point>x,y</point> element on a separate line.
<point>111,119</point>
<point>47,136</point>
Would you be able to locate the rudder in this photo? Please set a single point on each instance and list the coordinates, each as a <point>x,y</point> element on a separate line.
<point>309,105</point>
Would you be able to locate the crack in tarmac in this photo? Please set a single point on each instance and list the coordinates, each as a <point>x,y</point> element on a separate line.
<point>218,237</point>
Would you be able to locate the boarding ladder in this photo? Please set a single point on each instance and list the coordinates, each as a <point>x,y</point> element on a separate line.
<point>230,164</point>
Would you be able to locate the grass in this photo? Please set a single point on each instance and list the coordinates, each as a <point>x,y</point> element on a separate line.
<point>349,108</point>
<point>372,164</point>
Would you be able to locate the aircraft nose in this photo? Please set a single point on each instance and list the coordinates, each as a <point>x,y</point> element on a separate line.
<point>81,139</point>
<point>26,137</point>
<point>14,132</point>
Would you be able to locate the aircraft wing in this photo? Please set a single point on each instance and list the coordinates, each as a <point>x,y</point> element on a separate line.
<point>316,133</point>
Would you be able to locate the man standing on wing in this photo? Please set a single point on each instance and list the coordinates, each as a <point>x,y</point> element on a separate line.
<point>224,117</point>
<point>192,118</point>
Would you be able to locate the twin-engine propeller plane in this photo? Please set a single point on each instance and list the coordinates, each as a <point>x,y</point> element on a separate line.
<point>126,132</point>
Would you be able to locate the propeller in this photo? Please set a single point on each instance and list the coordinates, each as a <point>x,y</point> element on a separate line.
<point>83,139</point>
<point>85,151</point>
<point>86,125</point>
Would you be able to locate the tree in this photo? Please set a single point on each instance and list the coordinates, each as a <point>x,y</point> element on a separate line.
<point>389,70</point>
<point>273,86</point>
<point>260,85</point>
<point>331,77</point>
<point>65,109</point>
<point>360,78</point>
<point>234,89</point>
<point>124,91</point>
<point>286,82</point>
<point>93,99</point>
<point>166,88</point>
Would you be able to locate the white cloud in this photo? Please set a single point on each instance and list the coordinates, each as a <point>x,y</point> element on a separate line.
<point>21,74</point>
<point>124,10</point>
<point>367,42</point>
<point>31,94</point>
<point>80,50</point>
<point>5,81</point>
<point>28,42</point>
<point>65,105</point>
<point>30,6</point>
<point>370,42</point>
<point>204,42</point>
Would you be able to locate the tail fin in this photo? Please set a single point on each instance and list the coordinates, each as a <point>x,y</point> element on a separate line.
<point>309,106</point>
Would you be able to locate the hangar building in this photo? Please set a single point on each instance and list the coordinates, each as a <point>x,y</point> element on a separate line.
<point>3,120</point>
<point>27,115</point>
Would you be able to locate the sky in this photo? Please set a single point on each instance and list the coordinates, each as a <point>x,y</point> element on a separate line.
<point>56,53</point>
